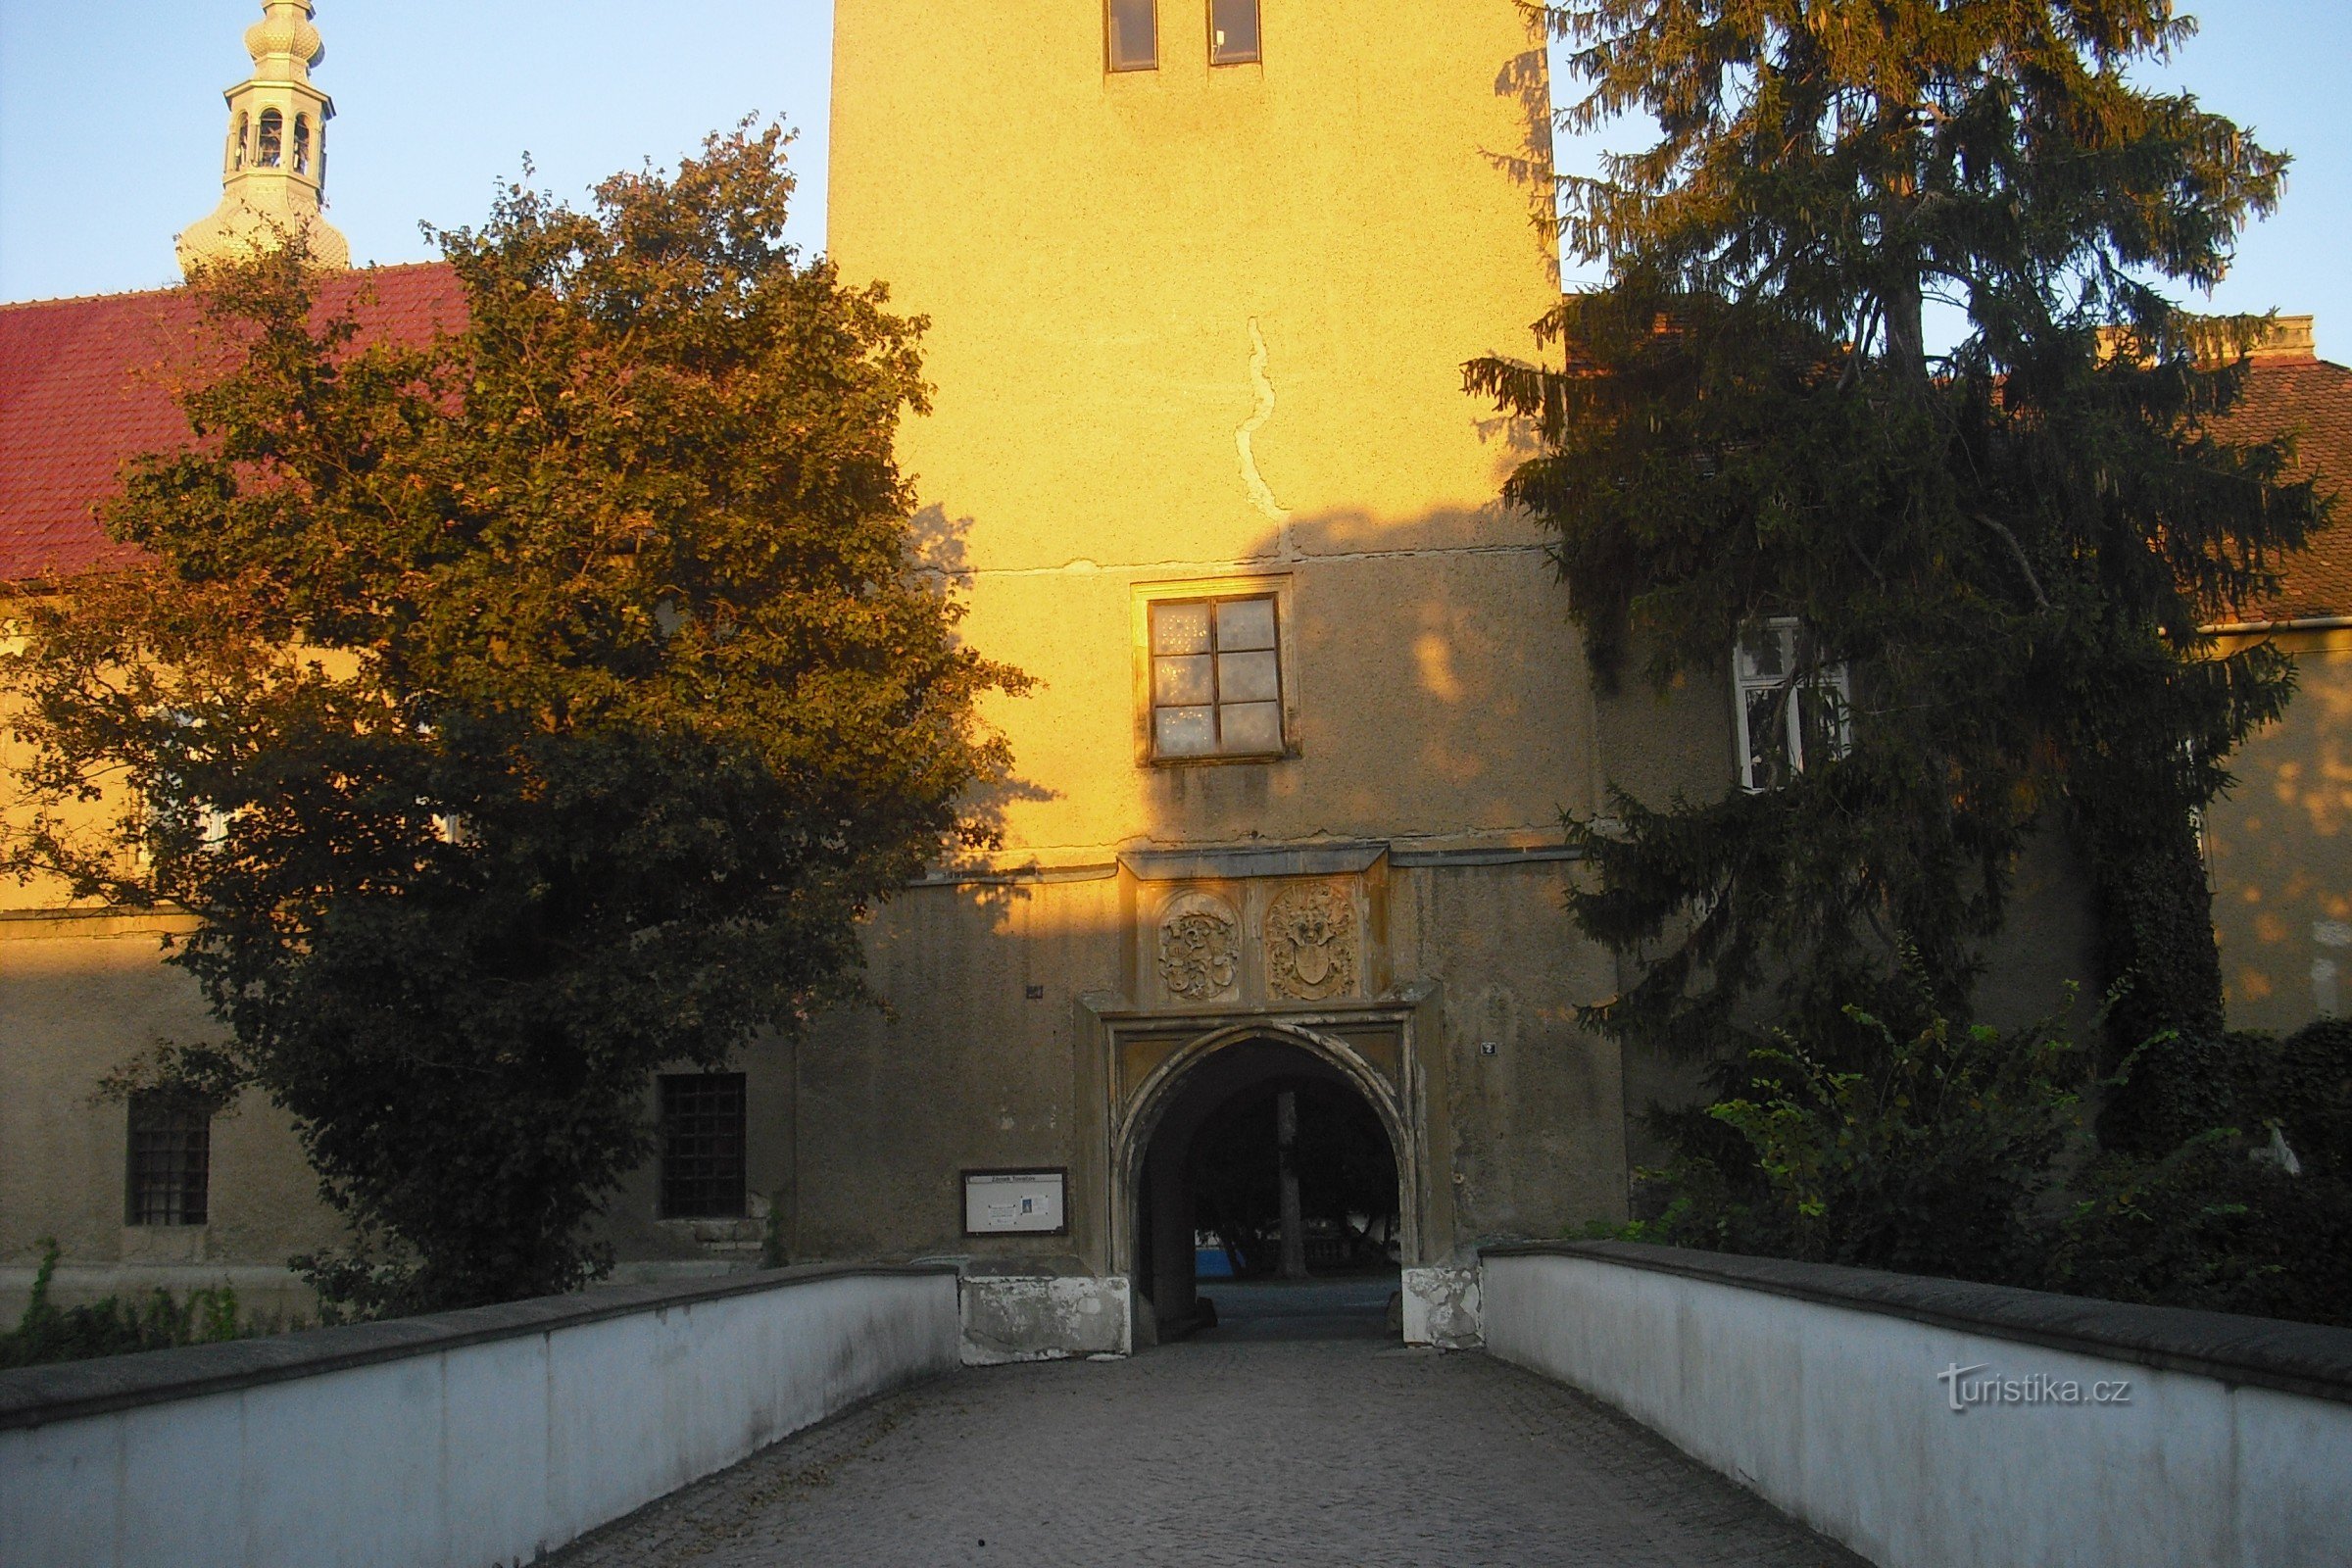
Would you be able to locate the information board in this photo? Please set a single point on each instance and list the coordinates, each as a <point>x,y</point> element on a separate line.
<point>1015,1202</point>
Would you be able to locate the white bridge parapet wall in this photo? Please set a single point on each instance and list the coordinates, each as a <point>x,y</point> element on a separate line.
<point>2087,1432</point>
<point>464,1440</point>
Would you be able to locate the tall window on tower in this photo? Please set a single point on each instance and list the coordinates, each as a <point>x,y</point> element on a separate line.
<point>1217,678</point>
<point>302,144</point>
<point>1231,31</point>
<point>1134,34</point>
<point>271,152</point>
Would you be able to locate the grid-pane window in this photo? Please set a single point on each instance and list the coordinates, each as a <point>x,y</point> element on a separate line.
<point>1788,718</point>
<point>1231,31</point>
<point>702,1146</point>
<point>1133,34</point>
<point>171,1160</point>
<point>1217,678</point>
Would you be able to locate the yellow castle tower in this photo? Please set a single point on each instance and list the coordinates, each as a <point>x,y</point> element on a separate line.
<point>1200,277</point>
<point>274,172</point>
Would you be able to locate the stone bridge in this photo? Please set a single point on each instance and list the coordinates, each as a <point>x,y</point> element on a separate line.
<point>1630,1406</point>
<point>1295,1432</point>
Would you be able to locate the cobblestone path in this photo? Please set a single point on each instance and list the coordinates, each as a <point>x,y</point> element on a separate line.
<point>1220,1450</point>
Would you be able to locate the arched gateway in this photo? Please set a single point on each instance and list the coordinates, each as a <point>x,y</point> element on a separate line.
<point>1153,1163</point>
<point>1229,993</point>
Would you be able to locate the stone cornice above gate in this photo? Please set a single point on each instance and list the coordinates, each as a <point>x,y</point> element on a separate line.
<point>1223,864</point>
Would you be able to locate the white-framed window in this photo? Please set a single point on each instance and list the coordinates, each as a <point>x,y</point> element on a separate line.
<point>1788,717</point>
<point>171,810</point>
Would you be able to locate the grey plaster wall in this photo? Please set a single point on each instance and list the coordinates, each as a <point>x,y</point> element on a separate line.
<point>1830,1393</point>
<point>633,1222</point>
<point>967,1070</point>
<point>960,1068</point>
<point>1538,1121</point>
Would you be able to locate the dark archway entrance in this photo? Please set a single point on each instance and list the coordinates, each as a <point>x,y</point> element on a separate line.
<point>1268,1169</point>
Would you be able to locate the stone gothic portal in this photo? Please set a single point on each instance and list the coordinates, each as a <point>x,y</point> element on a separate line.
<point>1271,1162</point>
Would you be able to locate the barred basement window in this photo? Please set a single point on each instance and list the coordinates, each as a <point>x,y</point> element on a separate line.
<point>1133,34</point>
<point>1217,678</point>
<point>1787,718</point>
<point>1231,31</point>
<point>702,1146</point>
<point>169,1178</point>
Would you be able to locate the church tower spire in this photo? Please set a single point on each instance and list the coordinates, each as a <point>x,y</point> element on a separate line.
<point>274,172</point>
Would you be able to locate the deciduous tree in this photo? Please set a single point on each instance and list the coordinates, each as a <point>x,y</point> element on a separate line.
<point>516,713</point>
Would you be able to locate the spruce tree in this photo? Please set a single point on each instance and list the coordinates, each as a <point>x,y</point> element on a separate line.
<point>2009,543</point>
<point>516,713</point>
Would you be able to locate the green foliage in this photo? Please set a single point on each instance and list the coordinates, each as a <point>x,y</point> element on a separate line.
<point>1962,1154</point>
<point>2231,1185</point>
<point>155,1321</point>
<point>1931,1159</point>
<point>519,711</point>
<point>2010,545</point>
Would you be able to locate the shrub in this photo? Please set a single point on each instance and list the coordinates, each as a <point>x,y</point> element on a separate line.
<point>1964,1153</point>
<point>154,1321</point>
<point>1928,1159</point>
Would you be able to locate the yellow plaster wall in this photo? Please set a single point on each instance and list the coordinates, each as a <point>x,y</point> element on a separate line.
<point>80,996</point>
<point>2279,846</point>
<point>1130,278</point>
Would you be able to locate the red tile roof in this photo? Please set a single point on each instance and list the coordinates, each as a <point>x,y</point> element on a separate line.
<point>2311,400</point>
<point>88,383</point>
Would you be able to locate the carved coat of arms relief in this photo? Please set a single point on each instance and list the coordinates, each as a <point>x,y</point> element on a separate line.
<point>1311,944</point>
<point>1200,947</point>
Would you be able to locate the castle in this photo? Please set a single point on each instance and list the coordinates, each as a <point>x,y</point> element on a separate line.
<point>1202,275</point>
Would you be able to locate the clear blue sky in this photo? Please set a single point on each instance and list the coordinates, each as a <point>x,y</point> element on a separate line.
<point>110,120</point>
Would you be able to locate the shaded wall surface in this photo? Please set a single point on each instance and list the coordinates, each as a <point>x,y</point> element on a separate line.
<point>2280,848</point>
<point>82,998</point>
<point>971,1071</point>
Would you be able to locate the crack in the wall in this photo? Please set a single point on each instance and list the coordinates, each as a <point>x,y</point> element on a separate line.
<point>1261,495</point>
<point>1082,566</point>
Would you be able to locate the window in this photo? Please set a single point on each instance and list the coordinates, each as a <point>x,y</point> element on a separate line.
<point>273,127</point>
<point>302,144</point>
<point>236,152</point>
<point>1134,34</point>
<point>1217,678</point>
<point>1231,31</point>
<point>175,817</point>
<point>1783,726</point>
<point>170,1177</point>
<point>702,1146</point>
